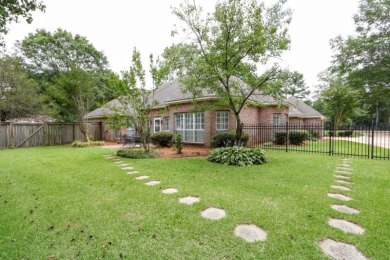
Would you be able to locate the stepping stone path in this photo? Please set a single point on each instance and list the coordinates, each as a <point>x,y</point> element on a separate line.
<point>118,162</point>
<point>169,191</point>
<point>339,250</point>
<point>346,226</point>
<point>142,177</point>
<point>330,247</point>
<point>123,164</point>
<point>250,233</point>
<point>338,187</point>
<point>345,209</point>
<point>213,213</point>
<point>189,200</point>
<point>127,168</point>
<point>339,196</point>
<point>152,183</point>
<point>133,172</point>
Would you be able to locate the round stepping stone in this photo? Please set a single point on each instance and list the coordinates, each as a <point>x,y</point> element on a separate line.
<point>340,250</point>
<point>342,177</point>
<point>346,165</point>
<point>118,162</point>
<point>152,183</point>
<point>127,168</point>
<point>344,182</point>
<point>189,200</point>
<point>169,191</point>
<point>343,169</point>
<point>123,164</point>
<point>213,213</point>
<point>346,226</point>
<point>133,172</point>
<point>250,233</point>
<point>338,187</point>
<point>343,172</point>
<point>345,209</point>
<point>339,196</point>
<point>142,177</point>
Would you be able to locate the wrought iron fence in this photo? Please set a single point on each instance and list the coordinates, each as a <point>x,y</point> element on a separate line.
<point>350,141</point>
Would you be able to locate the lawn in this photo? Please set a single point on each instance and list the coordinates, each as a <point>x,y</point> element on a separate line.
<point>73,203</point>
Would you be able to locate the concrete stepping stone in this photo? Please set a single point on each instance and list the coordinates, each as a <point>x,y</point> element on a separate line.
<point>116,159</point>
<point>344,182</point>
<point>339,196</point>
<point>250,233</point>
<point>133,172</point>
<point>345,209</point>
<point>346,226</point>
<point>169,191</point>
<point>142,177</point>
<point>340,250</point>
<point>127,168</point>
<point>347,169</point>
<point>343,172</point>
<point>339,187</point>
<point>189,200</point>
<point>123,164</point>
<point>152,183</point>
<point>213,213</point>
<point>342,177</point>
<point>345,165</point>
<point>118,162</point>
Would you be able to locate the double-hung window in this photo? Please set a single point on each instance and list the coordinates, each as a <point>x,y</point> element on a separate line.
<point>190,126</point>
<point>166,123</point>
<point>222,121</point>
<point>157,124</point>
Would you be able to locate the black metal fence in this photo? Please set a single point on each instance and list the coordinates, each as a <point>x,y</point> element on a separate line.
<point>349,141</point>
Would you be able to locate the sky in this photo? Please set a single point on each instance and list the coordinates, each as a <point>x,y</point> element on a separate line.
<point>117,26</point>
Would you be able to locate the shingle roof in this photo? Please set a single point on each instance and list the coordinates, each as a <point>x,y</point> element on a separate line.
<point>104,110</point>
<point>301,109</point>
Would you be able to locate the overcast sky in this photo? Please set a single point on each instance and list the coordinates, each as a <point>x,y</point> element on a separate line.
<point>117,26</point>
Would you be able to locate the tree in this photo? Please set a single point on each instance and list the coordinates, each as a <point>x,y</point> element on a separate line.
<point>19,95</point>
<point>53,56</point>
<point>230,46</point>
<point>136,101</point>
<point>12,10</point>
<point>338,100</point>
<point>364,60</point>
<point>294,85</point>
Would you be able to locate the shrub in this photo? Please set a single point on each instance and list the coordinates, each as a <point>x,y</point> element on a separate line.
<point>297,137</point>
<point>178,143</point>
<point>80,144</point>
<point>313,134</point>
<point>137,154</point>
<point>280,138</point>
<point>228,139</point>
<point>346,133</point>
<point>237,155</point>
<point>163,139</point>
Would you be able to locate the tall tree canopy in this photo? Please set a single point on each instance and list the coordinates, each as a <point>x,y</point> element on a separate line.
<point>60,57</point>
<point>232,49</point>
<point>294,85</point>
<point>12,11</point>
<point>19,95</point>
<point>364,60</point>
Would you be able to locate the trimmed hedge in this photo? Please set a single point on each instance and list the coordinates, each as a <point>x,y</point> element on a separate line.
<point>227,139</point>
<point>237,155</point>
<point>162,139</point>
<point>345,133</point>
<point>136,154</point>
<point>297,137</point>
<point>280,138</point>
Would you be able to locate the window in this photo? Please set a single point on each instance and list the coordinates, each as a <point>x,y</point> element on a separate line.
<point>222,121</point>
<point>190,126</point>
<point>276,119</point>
<point>157,125</point>
<point>166,123</point>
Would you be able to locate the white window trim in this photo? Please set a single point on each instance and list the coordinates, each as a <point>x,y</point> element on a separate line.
<point>216,121</point>
<point>154,124</point>
<point>184,129</point>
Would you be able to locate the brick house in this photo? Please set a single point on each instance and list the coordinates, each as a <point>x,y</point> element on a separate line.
<point>174,112</point>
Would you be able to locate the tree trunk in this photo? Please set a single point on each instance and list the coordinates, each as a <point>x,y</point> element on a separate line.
<point>238,130</point>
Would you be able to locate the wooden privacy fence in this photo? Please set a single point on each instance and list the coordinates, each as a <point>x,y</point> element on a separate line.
<point>15,135</point>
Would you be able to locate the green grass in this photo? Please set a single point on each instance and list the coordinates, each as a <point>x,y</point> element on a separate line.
<point>73,203</point>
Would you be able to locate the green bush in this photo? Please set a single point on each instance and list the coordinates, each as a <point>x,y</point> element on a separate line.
<point>280,138</point>
<point>178,143</point>
<point>346,133</point>
<point>313,134</point>
<point>237,155</point>
<point>228,139</point>
<point>297,137</point>
<point>162,139</point>
<point>81,144</point>
<point>137,154</point>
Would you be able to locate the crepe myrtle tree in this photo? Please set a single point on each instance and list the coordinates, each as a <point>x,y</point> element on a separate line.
<point>234,50</point>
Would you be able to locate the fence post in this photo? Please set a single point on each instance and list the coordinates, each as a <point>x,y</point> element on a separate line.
<point>331,133</point>
<point>11,136</point>
<point>372,139</point>
<point>286,137</point>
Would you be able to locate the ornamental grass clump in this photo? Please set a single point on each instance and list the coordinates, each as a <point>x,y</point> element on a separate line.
<point>237,155</point>
<point>81,144</point>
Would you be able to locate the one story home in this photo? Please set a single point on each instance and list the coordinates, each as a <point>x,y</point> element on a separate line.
<point>174,111</point>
